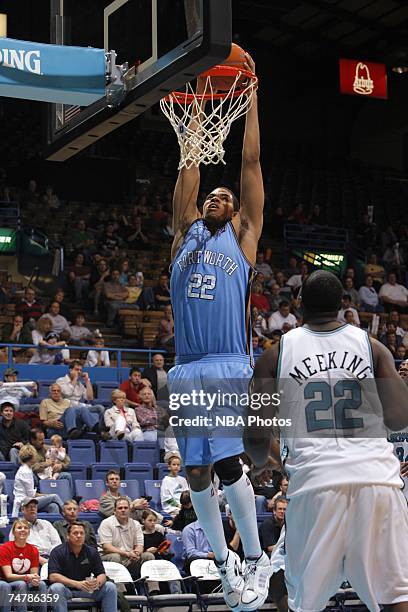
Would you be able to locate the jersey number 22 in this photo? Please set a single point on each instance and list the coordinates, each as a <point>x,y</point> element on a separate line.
<point>200,286</point>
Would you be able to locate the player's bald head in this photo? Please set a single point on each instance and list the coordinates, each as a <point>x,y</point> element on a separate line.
<point>321,294</point>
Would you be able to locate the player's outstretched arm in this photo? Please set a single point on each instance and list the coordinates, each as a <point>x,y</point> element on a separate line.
<point>252,189</point>
<point>392,390</point>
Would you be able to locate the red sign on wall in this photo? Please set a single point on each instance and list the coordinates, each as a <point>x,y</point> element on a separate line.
<point>360,78</point>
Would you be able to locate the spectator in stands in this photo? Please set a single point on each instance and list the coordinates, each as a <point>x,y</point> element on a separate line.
<point>24,483</point>
<point>124,269</point>
<point>114,492</point>
<point>292,268</point>
<point>172,486</point>
<point>135,234</point>
<point>165,334</point>
<point>275,297</point>
<point>346,305</point>
<point>132,387</point>
<point>16,332</point>
<point>259,325</point>
<point>50,355</point>
<point>43,534</point>
<point>43,460</point>
<point>97,358</point>
<point>42,327</point>
<point>258,299</point>
<point>161,292</point>
<point>78,278</point>
<point>395,317</point>
<point>365,233</point>
<point>121,420</point>
<point>157,375</point>
<point>121,539</point>
<point>296,280</point>
<point>349,318</point>
<point>59,323</point>
<point>393,257</point>
<point>393,295</point>
<point>99,276</point>
<point>76,570</point>
<point>316,216</point>
<point>376,270</point>
<point>109,240</point>
<point>135,300</point>
<point>282,490</point>
<point>262,267</point>
<point>31,197</point>
<point>70,512</point>
<point>152,537</point>
<point>196,545</point>
<point>284,290</point>
<point>59,296</point>
<point>256,347</point>
<point>352,292</point>
<point>186,515</point>
<point>80,335</point>
<point>50,199</point>
<point>401,352</point>
<point>14,434</point>
<point>147,414</point>
<point>115,296</point>
<point>28,307</point>
<point>232,537</point>
<point>57,415</point>
<point>392,343</point>
<point>369,300</point>
<point>17,393</point>
<point>78,393</point>
<point>282,316</point>
<point>19,562</point>
<point>270,528</point>
<point>81,236</point>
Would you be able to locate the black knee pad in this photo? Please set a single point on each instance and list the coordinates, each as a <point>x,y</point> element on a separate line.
<point>228,470</point>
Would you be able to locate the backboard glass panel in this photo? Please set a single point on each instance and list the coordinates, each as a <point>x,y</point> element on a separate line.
<point>170,42</point>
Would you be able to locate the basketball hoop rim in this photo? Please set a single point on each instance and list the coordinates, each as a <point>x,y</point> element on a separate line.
<point>216,71</point>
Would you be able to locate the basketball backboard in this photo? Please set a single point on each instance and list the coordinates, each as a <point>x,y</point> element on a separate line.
<point>169,41</point>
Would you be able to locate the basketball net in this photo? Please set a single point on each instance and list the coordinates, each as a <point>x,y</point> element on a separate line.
<point>202,121</point>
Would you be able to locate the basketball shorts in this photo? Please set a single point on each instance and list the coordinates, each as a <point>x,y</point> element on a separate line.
<point>357,533</point>
<point>208,406</point>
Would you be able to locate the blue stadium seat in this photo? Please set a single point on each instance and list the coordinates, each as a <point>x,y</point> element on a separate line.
<point>82,451</point>
<point>9,469</point>
<point>89,489</point>
<point>152,488</point>
<point>177,548</point>
<point>58,487</point>
<point>163,470</point>
<point>43,388</point>
<point>99,470</point>
<point>139,472</point>
<point>104,389</point>
<point>131,488</point>
<point>146,452</point>
<point>8,487</point>
<point>78,470</point>
<point>115,451</point>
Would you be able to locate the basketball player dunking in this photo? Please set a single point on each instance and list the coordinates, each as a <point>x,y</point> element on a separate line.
<point>347,517</point>
<point>213,257</point>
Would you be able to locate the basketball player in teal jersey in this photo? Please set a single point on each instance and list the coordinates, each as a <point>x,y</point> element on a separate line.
<point>347,517</point>
<point>213,256</point>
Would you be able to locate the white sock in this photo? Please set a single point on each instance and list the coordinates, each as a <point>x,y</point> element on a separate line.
<point>241,500</point>
<point>208,514</point>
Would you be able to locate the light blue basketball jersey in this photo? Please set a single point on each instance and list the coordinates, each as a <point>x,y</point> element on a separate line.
<point>210,290</point>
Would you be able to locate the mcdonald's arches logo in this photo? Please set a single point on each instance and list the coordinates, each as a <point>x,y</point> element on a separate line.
<point>362,78</point>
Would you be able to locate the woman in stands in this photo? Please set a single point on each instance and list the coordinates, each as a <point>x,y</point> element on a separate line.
<point>150,416</point>
<point>121,420</point>
<point>24,484</point>
<point>19,562</point>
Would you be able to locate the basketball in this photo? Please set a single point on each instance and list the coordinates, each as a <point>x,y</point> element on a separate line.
<point>236,59</point>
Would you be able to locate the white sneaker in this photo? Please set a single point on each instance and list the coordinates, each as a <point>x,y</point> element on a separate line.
<point>231,579</point>
<point>257,574</point>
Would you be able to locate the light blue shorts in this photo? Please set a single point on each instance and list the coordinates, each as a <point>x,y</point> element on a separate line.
<point>208,406</point>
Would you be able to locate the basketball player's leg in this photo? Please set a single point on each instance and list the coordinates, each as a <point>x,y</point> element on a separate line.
<point>377,557</point>
<point>315,548</point>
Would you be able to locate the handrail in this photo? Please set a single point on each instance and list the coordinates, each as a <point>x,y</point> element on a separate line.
<point>119,351</point>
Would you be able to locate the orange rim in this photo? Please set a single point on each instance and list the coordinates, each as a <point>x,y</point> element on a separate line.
<point>216,71</point>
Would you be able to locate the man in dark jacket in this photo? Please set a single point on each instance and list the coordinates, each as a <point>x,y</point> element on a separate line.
<point>13,434</point>
<point>157,375</point>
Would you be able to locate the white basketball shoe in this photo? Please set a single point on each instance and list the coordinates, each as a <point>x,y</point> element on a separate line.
<point>257,574</point>
<point>231,579</point>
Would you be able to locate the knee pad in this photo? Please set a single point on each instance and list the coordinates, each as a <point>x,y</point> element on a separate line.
<point>228,470</point>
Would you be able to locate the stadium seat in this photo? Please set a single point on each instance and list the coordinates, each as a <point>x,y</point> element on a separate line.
<point>82,451</point>
<point>59,487</point>
<point>9,469</point>
<point>163,470</point>
<point>119,574</point>
<point>99,470</point>
<point>76,603</point>
<point>139,472</point>
<point>177,548</point>
<point>165,571</point>
<point>78,470</point>
<point>205,570</point>
<point>115,451</point>
<point>152,488</point>
<point>146,452</point>
<point>43,388</point>
<point>131,488</point>
<point>89,489</point>
<point>8,487</point>
<point>104,389</point>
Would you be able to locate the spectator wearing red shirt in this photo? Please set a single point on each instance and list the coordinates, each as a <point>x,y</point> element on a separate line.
<point>132,387</point>
<point>28,307</point>
<point>19,562</point>
<point>258,299</point>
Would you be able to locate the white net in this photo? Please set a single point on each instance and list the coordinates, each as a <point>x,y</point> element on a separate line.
<point>203,121</point>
